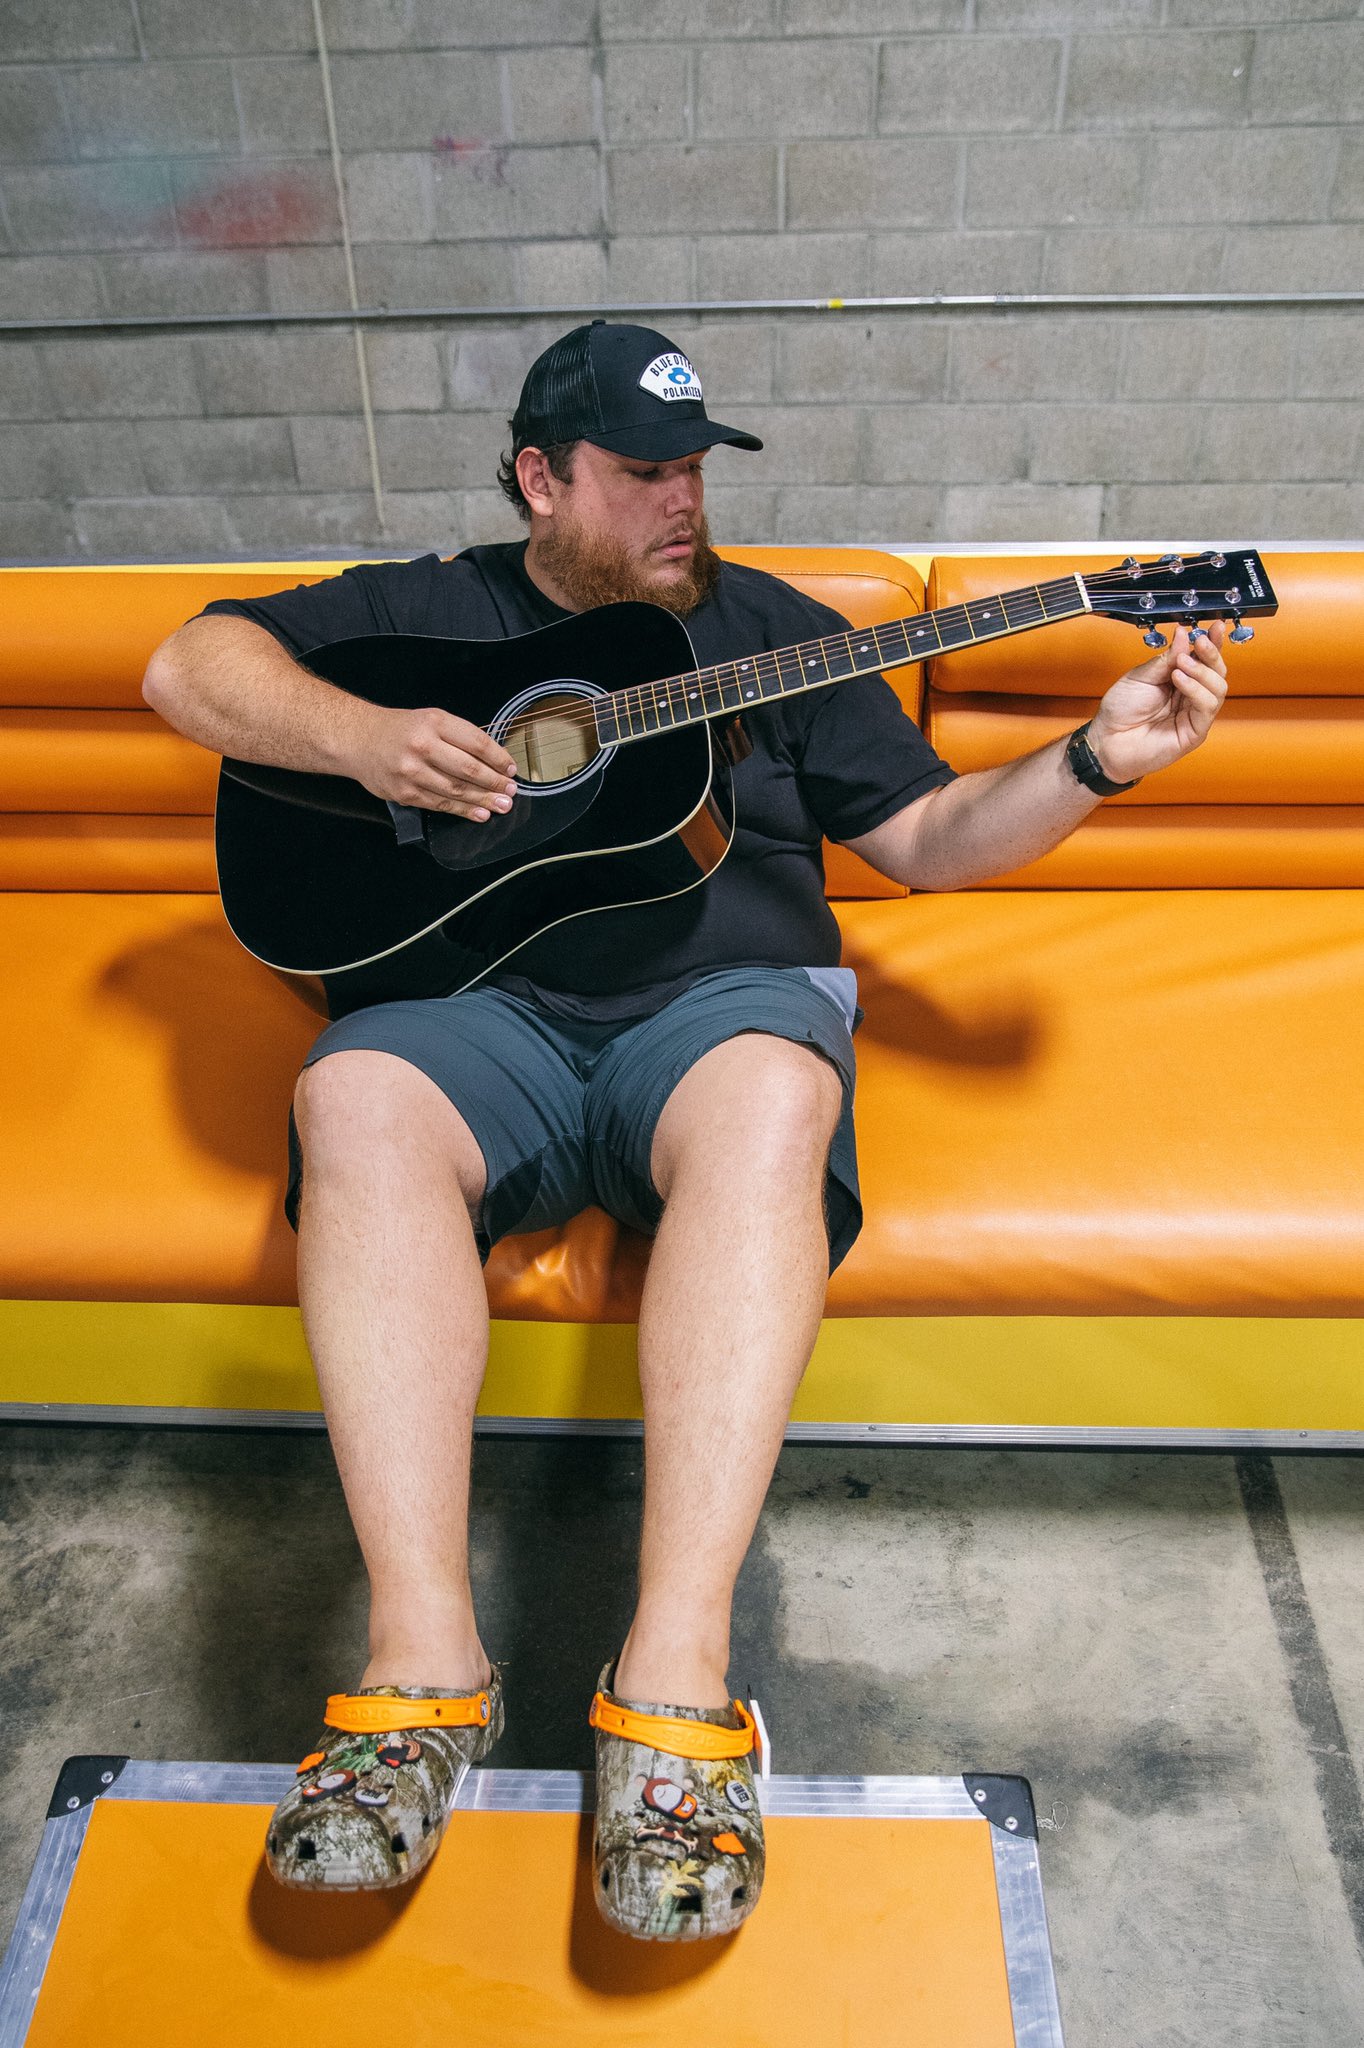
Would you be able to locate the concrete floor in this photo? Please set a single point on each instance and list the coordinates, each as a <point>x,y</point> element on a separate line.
<point>1168,1647</point>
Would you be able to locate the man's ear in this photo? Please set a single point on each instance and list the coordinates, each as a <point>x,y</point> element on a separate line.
<point>534,476</point>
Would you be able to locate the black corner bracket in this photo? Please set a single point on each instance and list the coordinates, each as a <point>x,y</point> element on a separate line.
<point>1005,1802</point>
<point>80,1782</point>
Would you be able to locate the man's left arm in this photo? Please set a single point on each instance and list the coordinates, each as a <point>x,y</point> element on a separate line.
<point>987,823</point>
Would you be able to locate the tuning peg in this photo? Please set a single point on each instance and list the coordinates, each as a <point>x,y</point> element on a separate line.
<point>1218,561</point>
<point>1133,567</point>
<point>1172,561</point>
<point>1155,639</point>
<point>1240,632</point>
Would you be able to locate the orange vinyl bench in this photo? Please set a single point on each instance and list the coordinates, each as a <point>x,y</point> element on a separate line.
<point>1107,1109</point>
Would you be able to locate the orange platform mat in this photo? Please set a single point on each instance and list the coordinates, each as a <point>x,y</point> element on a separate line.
<point>879,1925</point>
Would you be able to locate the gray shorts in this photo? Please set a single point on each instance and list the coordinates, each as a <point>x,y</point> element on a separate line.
<point>564,1111</point>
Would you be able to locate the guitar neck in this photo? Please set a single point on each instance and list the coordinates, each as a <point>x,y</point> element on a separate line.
<point>642,709</point>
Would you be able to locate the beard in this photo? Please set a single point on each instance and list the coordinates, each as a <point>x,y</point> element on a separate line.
<point>593,569</point>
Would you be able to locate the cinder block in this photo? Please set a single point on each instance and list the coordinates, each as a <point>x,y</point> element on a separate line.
<point>871,184</point>
<point>1316,511</point>
<point>1063,14</point>
<point>1308,74</point>
<point>956,261</point>
<point>899,515</point>
<point>1242,13</point>
<point>104,377</point>
<point>1117,81</point>
<point>1035,355</point>
<point>733,358</point>
<point>500,192</point>
<point>288,370</point>
<point>871,17</point>
<point>36,530</point>
<point>59,459</point>
<point>1330,361</point>
<point>187,281</point>
<point>90,206</point>
<point>24,390</point>
<point>1033,182</point>
<point>740,515</point>
<point>1281,443</point>
<point>283,111</point>
<point>937,444</point>
<point>259,205</point>
<point>647,94</point>
<point>1196,512</point>
<point>403,100</point>
<point>674,191</point>
<point>388,197</point>
<point>786,89</point>
<point>818,514</point>
<point>47,31</point>
<point>471,24</point>
<point>140,529</point>
<point>551,93</point>
<point>627,269</point>
<point>1256,175</point>
<point>231,28</point>
<point>316,523</point>
<point>1301,259</point>
<point>310,280</point>
<point>434,274</point>
<point>481,517</point>
<point>183,457</point>
<point>486,365</point>
<point>1206,355</point>
<point>49,287</point>
<point>1113,443</point>
<point>33,123</point>
<point>1347,194</point>
<point>781,266</point>
<point>686,20</point>
<point>853,355</point>
<point>153,110</point>
<point>804,444</point>
<point>990,513</point>
<point>404,370</point>
<point>331,452</point>
<point>1132,259</point>
<point>447,452</point>
<point>952,84</point>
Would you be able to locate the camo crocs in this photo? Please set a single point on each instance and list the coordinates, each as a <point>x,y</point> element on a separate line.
<point>677,1851</point>
<point>374,1794</point>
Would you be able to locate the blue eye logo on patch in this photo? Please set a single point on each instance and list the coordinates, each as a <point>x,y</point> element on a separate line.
<point>672,377</point>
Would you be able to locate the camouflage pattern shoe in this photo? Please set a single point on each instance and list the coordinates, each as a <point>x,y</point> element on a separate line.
<point>677,1850</point>
<point>376,1790</point>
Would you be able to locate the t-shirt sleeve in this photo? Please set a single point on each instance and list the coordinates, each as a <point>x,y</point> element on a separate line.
<point>373,597</point>
<point>864,758</point>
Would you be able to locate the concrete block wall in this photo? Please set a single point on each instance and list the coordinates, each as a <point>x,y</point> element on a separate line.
<point>170,157</point>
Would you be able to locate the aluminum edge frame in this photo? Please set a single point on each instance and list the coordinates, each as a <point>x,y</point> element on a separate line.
<point>1018,1877</point>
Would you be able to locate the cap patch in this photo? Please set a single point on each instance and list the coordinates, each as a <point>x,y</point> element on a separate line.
<point>671,376</point>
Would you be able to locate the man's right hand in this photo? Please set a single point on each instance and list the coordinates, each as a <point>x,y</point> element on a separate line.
<point>434,762</point>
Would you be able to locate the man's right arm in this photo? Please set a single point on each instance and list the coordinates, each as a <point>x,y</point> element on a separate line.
<point>229,685</point>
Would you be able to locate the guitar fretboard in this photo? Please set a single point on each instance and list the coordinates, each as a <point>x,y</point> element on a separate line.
<point>646,708</point>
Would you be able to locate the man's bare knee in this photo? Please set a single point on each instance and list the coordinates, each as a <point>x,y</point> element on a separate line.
<point>757,1102</point>
<point>365,1109</point>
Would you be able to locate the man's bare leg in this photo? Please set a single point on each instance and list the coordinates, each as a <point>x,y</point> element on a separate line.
<point>396,1316</point>
<point>731,1308</point>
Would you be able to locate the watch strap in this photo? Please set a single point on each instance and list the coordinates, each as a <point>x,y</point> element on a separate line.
<point>1084,765</point>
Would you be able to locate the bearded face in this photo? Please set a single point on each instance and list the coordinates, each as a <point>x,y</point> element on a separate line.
<point>593,566</point>
<point>608,529</point>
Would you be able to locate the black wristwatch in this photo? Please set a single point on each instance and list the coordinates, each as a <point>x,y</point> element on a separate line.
<point>1084,764</point>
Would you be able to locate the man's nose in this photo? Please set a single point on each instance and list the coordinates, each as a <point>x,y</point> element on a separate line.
<point>684,492</point>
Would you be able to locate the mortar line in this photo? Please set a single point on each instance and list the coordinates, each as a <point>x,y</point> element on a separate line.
<point>1309,1680</point>
<point>338,178</point>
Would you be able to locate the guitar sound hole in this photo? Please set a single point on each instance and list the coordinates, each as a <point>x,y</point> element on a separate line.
<point>552,740</point>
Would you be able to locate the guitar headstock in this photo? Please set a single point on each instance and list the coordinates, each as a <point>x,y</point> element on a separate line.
<point>1183,590</point>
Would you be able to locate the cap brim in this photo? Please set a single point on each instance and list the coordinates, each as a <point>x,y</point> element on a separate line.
<point>668,440</point>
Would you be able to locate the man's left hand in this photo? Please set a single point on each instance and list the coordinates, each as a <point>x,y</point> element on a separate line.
<point>1164,709</point>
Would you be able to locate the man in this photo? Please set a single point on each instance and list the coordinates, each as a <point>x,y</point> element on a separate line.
<point>688,1065</point>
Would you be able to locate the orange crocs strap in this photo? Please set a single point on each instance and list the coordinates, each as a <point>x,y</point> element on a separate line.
<point>701,1741</point>
<point>363,1713</point>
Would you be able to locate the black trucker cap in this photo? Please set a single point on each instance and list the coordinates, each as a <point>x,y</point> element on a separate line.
<point>623,388</point>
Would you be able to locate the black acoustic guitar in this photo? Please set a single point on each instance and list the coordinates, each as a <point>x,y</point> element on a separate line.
<point>623,750</point>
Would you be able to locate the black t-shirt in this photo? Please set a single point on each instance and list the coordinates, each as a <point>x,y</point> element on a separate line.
<point>831,763</point>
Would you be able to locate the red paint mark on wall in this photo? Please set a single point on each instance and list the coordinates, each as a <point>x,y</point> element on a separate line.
<point>259,209</point>
<point>486,162</point>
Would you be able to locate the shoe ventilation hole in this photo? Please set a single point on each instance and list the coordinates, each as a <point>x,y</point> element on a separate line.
<point>606,1880</point>
<point>738,1895</point>
<point>273,1845</point>
<point>689,1905</point>
<point>307,1849</point>
<point>426,1823</point>
<point>400,1845</point>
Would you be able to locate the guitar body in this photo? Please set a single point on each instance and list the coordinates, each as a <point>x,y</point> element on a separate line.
<point>316,883</point>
